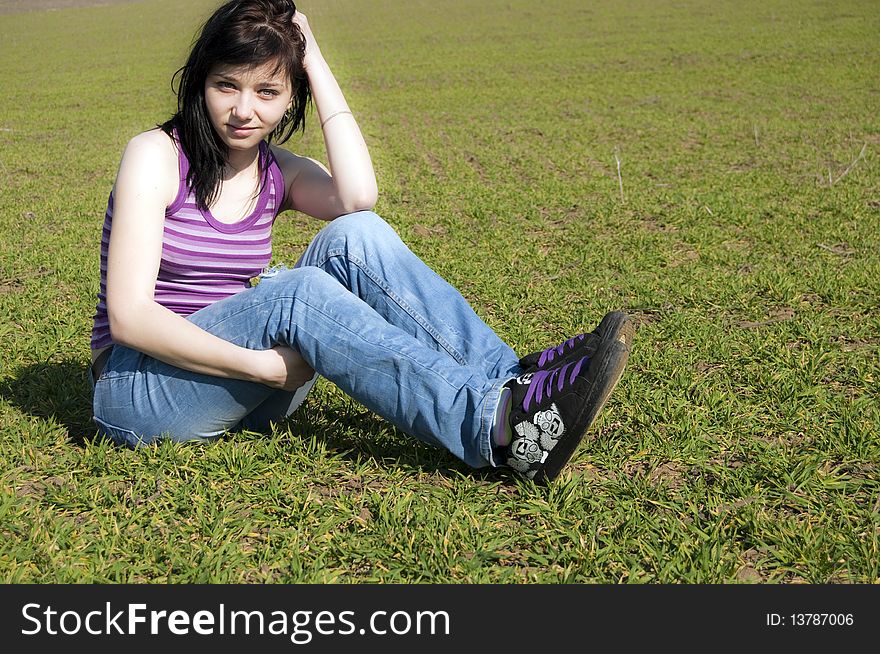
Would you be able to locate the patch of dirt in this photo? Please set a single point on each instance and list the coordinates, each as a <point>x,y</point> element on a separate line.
<point>635,469</point>
<point>731,462</point>
<point>422,231</point>
<point>681,255</point>
<point>590,473</point>
<point>707,367</point>
<point>264,574</point>
<point>748,573</point>
<point>727,507</point>
<point>38,487</point>
<point>647,315</point>
<point>840,249</point>
<point>848,344</point>
<point>434,164</point>
<point>776,315</point>
<point>348,486</point>
<point>737,245</point>
<point>656,224</point>
<point>17,284</point>
<point>478,168</point>
<point>21,6</point>
<point>812,299</point>
<point>670,474</point>
<point>798,345</point>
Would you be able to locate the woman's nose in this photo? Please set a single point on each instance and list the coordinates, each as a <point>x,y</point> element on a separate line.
<point>243,107</point>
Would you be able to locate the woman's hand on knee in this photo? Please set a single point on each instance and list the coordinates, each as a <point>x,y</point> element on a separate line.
<point>284,368</point>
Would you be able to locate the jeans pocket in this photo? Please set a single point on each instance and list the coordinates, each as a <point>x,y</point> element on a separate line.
<point>118,435</point>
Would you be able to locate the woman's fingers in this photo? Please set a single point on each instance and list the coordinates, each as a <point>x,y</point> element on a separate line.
<point>298,372</point>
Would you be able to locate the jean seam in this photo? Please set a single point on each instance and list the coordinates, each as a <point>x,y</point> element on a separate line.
<point>132,438</point>
<point>487,421</point>
<point>109,376</point>
<point>317,310</point>
<point>407,308</point>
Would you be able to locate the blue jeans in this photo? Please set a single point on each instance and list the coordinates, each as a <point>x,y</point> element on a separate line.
<point>366,314</point>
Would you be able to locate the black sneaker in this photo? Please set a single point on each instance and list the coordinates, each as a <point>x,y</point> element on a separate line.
<point>615,325</point>
<point>551,410</point>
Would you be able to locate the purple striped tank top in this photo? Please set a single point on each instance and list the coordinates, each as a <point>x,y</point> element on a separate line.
<point>203,259</point>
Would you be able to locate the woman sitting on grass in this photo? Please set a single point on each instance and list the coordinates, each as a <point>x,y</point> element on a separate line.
<point>184,347</point>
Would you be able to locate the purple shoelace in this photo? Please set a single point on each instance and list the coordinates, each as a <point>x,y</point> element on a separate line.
<point>545,383</point>
<point>551,353</point>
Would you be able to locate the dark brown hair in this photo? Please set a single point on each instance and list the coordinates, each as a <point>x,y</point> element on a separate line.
<point>241,32</point>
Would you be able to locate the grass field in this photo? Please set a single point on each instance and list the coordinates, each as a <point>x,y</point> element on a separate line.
<point>711,167</point>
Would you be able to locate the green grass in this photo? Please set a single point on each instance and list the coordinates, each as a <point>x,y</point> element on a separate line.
<point>740,229</point>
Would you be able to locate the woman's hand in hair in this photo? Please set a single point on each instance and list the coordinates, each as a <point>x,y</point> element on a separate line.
<point>312,50</point>
<point>348,183</point>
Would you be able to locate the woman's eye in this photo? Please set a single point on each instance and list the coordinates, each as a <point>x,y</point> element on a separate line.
<point>225,85</point>
<point>269,92</point>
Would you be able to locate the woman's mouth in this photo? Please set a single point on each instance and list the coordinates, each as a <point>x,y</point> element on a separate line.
<point>240,130</point>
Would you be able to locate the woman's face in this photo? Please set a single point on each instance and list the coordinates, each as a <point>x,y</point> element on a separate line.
<point>246,103</point>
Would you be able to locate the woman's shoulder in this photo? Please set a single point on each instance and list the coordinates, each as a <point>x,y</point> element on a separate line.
<point>283,157</point>
<point>154,144</point>
<point>151,159</point>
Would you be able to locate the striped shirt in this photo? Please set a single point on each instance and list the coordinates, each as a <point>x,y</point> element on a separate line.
<point>203,260</point>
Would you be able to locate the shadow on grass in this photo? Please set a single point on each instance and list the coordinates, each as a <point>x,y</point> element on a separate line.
<point>355,434</point>
<point>58,391</point>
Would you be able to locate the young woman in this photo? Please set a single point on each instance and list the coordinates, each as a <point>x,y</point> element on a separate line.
<point>185,347</point>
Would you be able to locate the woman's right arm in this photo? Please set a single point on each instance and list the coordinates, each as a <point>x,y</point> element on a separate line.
<point>145,185</point>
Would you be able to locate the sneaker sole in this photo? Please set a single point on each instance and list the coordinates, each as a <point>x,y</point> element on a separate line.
<point>611,361</point>
<point>615,325</point>
<point>618,326</point>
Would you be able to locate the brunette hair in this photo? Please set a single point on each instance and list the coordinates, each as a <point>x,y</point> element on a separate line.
<point>241,32</point>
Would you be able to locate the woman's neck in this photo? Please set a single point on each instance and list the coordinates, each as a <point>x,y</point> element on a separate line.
<point>241,163</point>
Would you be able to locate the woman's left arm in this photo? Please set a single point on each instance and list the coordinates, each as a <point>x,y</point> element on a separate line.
<point>350,183</point>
